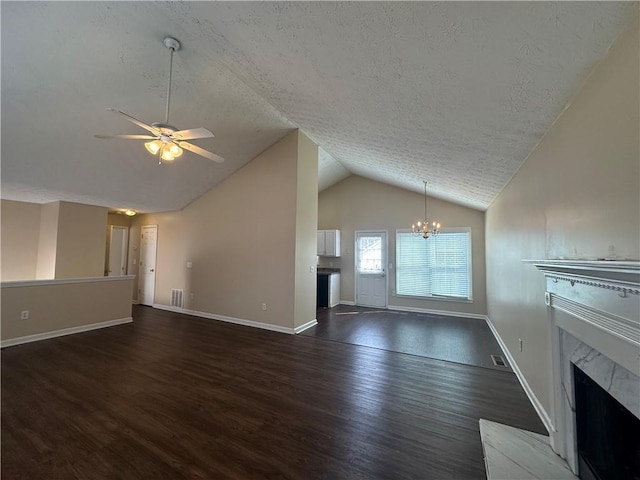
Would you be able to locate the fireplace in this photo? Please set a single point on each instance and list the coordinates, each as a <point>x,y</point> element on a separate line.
<point>594,323</point>
<point>607,433</point>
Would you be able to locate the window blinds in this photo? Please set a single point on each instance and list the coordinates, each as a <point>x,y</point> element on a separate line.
<point>438,266</point>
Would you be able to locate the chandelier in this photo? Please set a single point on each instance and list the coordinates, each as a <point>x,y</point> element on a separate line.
<point>423,227</point>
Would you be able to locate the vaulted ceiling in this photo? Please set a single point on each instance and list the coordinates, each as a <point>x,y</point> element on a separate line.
<point>458,93</point>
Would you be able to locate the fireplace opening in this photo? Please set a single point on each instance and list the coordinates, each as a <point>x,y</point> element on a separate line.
<point>608,434</point>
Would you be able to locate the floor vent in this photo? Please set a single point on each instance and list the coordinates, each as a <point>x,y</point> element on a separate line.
<point>176,297</point>
<point>498,361</point>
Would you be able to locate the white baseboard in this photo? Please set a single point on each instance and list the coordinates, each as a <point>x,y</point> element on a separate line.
<point>436,312</point>
<point>65,331</point>
<point>542,413</point>
<point>169,308</point>
<point>347,302</point>
<point>302,328</point>
<point>238,321</point>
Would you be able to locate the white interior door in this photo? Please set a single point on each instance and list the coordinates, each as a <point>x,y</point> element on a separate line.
<point>118,243</point>
<point>371,275</point>
<point>147,267</point>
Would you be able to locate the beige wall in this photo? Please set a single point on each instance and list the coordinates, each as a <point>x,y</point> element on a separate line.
<point>81,240</point>
<point>57,306</point>
<point>241,239</point>
<point>20,226</point>
<point>306,223</point>
<point>357,203</point>
<point>54,240</point>
<point>577,194</point>
<point>48,241</point>
<point>119,219</point>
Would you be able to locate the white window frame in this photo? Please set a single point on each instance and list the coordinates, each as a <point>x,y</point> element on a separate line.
<point>445,298</point>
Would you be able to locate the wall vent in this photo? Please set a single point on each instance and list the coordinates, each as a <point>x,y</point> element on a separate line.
<point>177,296</point>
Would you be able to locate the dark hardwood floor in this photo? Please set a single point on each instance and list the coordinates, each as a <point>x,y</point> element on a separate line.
<point>454,339</point>
<point>173,396</point>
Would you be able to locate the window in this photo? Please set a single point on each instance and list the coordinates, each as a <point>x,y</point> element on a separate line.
<point>437,267</point>
<point>369,254</point>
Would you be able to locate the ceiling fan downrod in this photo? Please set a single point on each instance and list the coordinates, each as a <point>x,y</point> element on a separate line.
<point>172,44</point>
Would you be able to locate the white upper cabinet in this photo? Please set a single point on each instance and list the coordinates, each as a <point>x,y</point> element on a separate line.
<point>328,243</point>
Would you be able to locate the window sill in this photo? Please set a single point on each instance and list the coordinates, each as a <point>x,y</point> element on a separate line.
<point>436,298</point>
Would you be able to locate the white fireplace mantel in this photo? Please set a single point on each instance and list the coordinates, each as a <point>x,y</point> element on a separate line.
<point>617,275</point>
<point>594,322</point>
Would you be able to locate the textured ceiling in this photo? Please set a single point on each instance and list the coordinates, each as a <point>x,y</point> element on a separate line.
<point>457,93</point>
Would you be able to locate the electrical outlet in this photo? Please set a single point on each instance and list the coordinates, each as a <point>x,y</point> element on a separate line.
<point>24,315</point>
<point>520,344</point>
<point>192,295</point>
<point>264,306</point>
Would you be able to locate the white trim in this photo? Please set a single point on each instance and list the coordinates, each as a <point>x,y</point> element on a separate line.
<point>602,266</point>
<point>169,308</point>
<point>65,331</point>
<point>302,328</point>
<point>63,281</point>
<point>347,302</point>
<point>237,321</point>
<point>436,312</point>
<point>134,302</point>
<point>542,413</point>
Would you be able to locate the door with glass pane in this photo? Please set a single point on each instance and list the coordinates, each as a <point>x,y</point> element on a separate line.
<point>371,275</point>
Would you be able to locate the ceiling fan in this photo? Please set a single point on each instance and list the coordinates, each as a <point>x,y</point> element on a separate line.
<point>166,141</point>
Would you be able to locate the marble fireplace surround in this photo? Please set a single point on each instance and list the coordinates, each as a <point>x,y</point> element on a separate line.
<point>594,317</point>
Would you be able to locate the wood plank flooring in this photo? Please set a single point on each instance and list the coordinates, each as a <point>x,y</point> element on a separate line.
<point>173,396</point>
<point>454,339</point>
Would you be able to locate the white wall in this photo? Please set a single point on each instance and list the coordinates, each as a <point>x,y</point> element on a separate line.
<point>576,195</point>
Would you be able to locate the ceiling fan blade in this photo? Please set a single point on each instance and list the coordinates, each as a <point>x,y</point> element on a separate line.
<point>130,137</point>
<point>192,133</point>
<point>136,121</point>
<point>201,151</point>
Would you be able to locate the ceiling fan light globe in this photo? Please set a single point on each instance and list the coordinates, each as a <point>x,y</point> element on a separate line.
<point>175,150</point>
<point>153,147</point>
<point>166,155</point>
